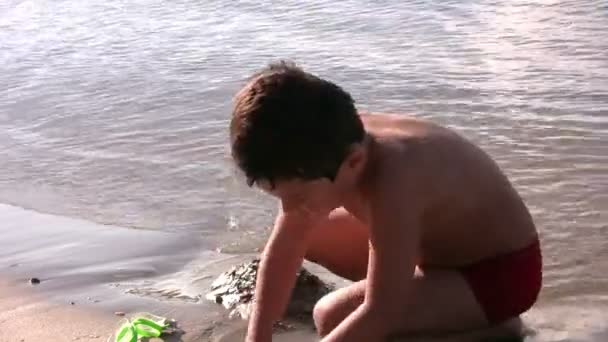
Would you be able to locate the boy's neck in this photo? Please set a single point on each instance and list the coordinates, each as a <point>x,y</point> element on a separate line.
<point>356,202</point>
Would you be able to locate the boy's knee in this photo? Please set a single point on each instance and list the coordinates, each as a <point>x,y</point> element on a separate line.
<point>334,307</point>
<point>324,316</point>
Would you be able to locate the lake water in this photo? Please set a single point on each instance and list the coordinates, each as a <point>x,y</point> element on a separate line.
<point>116,112</point>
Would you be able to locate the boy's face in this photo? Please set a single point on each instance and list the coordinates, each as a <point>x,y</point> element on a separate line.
<point>312,197</point>
<point>319,196</point>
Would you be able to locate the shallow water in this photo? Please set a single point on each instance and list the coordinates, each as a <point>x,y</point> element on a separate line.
<point>115,112</point>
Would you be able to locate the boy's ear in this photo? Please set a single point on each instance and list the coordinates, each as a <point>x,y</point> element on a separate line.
<point>355,157</point>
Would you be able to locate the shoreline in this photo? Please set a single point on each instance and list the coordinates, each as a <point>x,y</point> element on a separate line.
<point>89,271</point>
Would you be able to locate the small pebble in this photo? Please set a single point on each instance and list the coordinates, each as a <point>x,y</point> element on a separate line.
<point>282,326</point>
<point>34,281</point>
<point>72,303</point>
<point>119,313</point>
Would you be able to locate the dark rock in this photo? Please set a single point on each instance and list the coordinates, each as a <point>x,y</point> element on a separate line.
<point>235,289</point>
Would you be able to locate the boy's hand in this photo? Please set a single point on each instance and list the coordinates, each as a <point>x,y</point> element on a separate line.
<point>280,261</point>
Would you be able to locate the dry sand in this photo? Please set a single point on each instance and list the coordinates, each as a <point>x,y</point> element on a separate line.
<point>26,316</point>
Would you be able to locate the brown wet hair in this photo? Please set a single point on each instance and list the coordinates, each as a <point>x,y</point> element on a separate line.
<point>289,124</point>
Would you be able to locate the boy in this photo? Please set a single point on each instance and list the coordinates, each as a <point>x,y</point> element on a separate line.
<point>430,230</point>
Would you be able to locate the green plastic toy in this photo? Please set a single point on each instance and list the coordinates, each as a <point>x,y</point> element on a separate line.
<point>150,326</point>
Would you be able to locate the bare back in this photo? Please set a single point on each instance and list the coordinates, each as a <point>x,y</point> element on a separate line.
<point>472,211</point>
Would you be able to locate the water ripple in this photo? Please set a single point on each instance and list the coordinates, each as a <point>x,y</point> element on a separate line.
<point>117,111</point>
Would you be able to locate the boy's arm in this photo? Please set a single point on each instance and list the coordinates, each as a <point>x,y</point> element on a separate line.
<point>281,259</point>
<point>394,238</point>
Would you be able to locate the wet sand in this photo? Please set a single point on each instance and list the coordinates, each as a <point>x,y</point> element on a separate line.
<point>90,271</point>
<point>28,316</point>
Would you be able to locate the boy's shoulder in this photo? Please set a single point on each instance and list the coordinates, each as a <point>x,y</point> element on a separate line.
<point>401,125</point>
<point>417,158</point>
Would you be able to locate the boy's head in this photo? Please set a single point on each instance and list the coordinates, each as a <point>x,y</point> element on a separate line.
<point>289,125</point>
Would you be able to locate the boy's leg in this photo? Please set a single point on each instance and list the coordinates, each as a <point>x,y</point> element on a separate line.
<point>441,302</point>
<point>442,299</point>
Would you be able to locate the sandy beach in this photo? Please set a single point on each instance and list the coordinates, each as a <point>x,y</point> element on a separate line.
<point>27,316</point>
<point>88,272</point>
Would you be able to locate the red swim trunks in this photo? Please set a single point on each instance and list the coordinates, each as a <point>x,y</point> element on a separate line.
<point>507,285</point>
